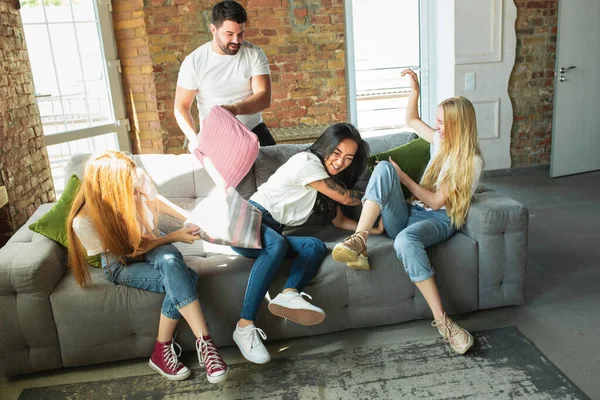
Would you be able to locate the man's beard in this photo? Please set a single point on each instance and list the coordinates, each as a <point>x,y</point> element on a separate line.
<point>230,49</point>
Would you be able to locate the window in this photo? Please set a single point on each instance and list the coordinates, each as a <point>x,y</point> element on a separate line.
<point>383,38</point>
<point>76,77</point>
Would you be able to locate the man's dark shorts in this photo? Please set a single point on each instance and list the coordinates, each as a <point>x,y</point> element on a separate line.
<point>264,135</point>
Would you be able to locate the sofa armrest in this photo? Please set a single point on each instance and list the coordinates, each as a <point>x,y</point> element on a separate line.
<point>30,268</point>
<point>499,224</point>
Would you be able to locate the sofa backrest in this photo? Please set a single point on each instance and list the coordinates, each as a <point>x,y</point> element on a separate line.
<point>182,179</point>
<point>272,157</point>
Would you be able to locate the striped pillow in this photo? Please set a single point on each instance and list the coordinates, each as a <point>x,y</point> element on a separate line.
<point>226,218</point>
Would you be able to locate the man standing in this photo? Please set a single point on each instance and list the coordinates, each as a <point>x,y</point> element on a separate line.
<point>227,72</point>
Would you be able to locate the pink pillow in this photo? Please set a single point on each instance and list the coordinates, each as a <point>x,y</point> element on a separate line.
<point>226,148</point>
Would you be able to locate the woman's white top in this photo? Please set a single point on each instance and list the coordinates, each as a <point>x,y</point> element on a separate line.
<point>287,194</point>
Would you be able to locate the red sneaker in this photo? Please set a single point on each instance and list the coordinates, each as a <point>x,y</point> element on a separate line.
<point>208,356</point>
<point>164,361</point>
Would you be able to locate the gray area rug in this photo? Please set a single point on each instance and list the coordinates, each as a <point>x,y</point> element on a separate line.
<point>502,364</point>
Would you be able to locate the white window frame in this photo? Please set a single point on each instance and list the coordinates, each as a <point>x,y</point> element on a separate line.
<point>120,126</point>
<point>424,51</point>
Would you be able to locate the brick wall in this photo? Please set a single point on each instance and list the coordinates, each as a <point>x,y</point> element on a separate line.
<point>139,87</point>
<point>24,165</point>
<point>303,39</point>
<point>531,86</point>
<point>176,29</point>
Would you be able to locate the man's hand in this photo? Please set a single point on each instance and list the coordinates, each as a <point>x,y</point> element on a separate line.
<point>232,108</point>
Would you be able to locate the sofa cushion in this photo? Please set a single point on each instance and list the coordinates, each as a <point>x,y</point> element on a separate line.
<point>53,224</point>
<point>103,321</point>
<point>385,294</point>
<point>411,157</point>
<point>173,175</point>
<point>382,143</point>
<point>76,165</point>
<point>270,158</point>
<point>247,186</point>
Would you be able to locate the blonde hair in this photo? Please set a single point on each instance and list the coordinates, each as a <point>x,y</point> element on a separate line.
<point>459,148</point>
<point>108,190</point>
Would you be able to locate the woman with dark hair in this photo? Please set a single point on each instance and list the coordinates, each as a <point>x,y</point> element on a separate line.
<point>329,168</point>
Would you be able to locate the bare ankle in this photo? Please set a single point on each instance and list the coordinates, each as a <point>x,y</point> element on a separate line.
<point>363,234</point>
<point>439,316</point>
<point>242,323</point>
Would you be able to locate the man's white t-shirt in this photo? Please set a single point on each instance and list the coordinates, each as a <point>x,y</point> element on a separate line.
<point>433,151</point>
<point>286,195</point>
<point>221,79</point>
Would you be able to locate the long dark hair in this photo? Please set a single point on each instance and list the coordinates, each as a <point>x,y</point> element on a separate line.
<point>324,146</point>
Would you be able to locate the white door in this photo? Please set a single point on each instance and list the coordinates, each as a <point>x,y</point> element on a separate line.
<point>576,122</point>
<point>76,75</point>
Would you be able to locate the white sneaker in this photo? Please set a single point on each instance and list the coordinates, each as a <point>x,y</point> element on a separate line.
<point>292,306</point>
<point>251,345</point>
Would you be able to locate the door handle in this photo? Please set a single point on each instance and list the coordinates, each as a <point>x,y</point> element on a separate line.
<point>562,70</point>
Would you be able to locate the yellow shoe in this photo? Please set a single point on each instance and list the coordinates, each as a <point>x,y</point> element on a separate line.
<point>350,249</point>
<point>361,263</point>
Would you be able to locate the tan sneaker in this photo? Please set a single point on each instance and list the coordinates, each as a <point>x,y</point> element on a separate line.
<point>350,249</point>
<point>362,263</point>
<point>459,339</point>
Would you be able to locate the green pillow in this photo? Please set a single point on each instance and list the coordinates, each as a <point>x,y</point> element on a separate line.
<point>411,157</point>
<point>53,224</point>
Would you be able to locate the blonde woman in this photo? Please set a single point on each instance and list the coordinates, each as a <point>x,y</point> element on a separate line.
<point>438,207</point>
<point>114,214</point>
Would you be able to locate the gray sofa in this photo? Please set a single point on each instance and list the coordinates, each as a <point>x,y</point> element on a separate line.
<point>47,321</point>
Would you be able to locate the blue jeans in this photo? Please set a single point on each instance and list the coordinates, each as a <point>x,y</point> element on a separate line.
<point>162,270</point>
<point>412,227</point>
<point>308,253</point>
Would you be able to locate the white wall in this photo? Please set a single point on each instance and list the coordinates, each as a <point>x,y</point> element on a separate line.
<point>441,57</point>
<point>480,38</point>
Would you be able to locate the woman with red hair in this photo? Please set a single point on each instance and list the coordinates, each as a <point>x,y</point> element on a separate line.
<point>115,214</point>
